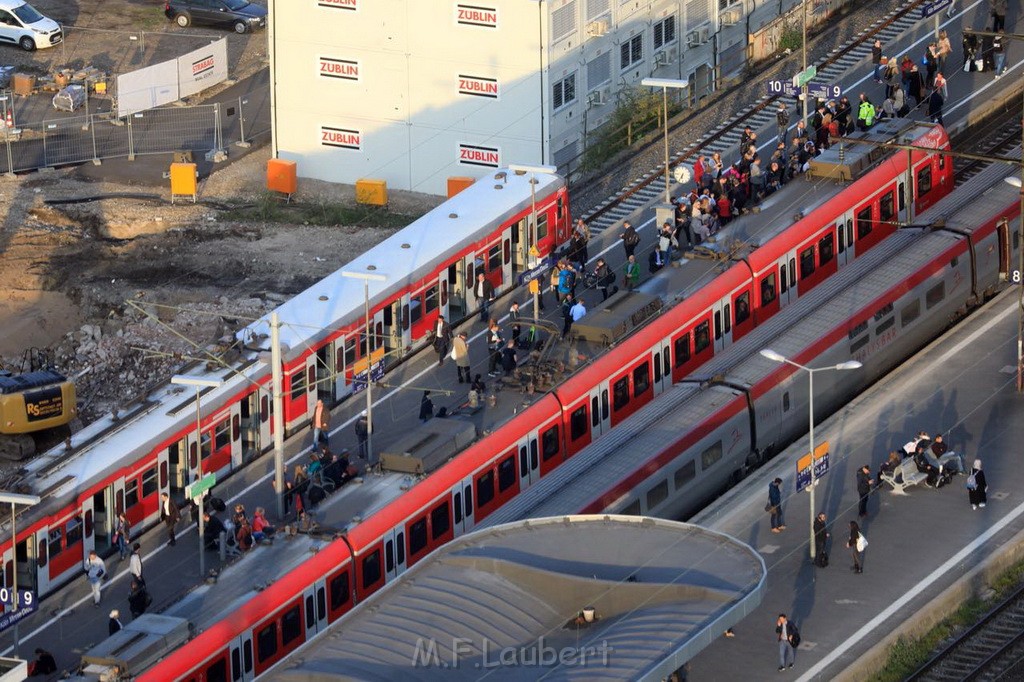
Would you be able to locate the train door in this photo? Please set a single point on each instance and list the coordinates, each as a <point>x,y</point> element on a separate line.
<point>661,361</point>
<point>469,265</point>
<point>235,425</point>
<point>521,245</point>
<point>529,461</point>
<point>311,384</point>
<point>787,278</point>
<point>324,370</point>
<point>904,208</point>
<point>42,572</point>
<point>107,504</point>
<point>378,338</point>
<point>190,468</point>
<point>723,324</point>
<point>241,659</point>
<point>457,302</point>
<point>341,363</point>
<point>506,258</point>
<point>316,616</point>
<point>253,423</point>
<point>89,527</point>
<point>844,242</point>
<point>462,506</point>
<point>600,412</point>
<point>394,553</point>
<point>391,317</point>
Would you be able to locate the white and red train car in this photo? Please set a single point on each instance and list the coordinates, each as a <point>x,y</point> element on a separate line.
<point>559,426</point>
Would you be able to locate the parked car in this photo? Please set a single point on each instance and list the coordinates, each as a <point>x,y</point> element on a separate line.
<point>240,15</point>
<point>22,24</point>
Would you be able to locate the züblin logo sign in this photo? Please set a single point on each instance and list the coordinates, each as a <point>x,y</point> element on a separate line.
<point>341,137</point>
<point>478,86</point>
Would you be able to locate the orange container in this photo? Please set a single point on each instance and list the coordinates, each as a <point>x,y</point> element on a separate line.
<point>457,184</point>
<point>183,180</point>
<point>281,176</point>
<point>373,192</point>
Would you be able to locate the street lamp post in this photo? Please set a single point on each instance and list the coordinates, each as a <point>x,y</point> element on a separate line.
<point>665,84</point>
<point>199,383</point>
<point>850,364</point>
<point>15,499</point>
<point>1018,278</point>
<point>367,277</point>
<point>521,169</point>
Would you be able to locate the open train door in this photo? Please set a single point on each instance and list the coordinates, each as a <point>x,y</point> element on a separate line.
<point>341,366</point>
<point>662,364</point>
<point>236,435</point>
<point>311,385</point>
<point>462,507</point>
<point>787,278</point>
<point>88,528</point>
<point>507,272</point>
<point>42,570</point>
<point>242,669</point>
<point>600,412</point>
<point>469,268</point>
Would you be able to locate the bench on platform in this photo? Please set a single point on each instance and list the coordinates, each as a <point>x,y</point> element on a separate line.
<point>904,476</point>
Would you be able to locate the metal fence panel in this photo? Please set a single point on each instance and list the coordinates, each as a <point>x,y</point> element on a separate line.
<point>169,129</point>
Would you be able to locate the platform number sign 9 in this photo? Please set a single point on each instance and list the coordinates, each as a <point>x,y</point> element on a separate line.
<point>26,598</point>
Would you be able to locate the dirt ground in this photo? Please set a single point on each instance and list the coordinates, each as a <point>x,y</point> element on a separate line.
<point>71,273</point>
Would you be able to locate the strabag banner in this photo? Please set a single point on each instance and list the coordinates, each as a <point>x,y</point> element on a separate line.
<point>203,68</point>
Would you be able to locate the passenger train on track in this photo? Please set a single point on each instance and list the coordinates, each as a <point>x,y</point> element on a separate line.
<point>559,429</point>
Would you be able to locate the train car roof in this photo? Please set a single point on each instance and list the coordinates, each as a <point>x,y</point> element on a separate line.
<point>405,257</point>
<point>661,591</point>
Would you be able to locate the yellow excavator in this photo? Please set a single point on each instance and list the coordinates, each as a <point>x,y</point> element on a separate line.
<point>32,406</point>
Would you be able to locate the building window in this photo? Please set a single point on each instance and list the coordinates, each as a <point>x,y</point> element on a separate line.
<point>631,52</point>
<point>664,31</point>
<point>563,21</point>
<point>564,91</point>
<point>596,8</point>
<point>599,70</point>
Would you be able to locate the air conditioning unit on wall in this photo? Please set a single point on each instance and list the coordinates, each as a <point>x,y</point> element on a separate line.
<point>665,57</point>
<point>705,34</point>
<point>730,17</point>
<point>598,97</point>
<point>693,39</point>
<point>596,29</point>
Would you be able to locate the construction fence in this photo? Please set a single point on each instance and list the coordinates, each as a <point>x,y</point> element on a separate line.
<point>69,140</point>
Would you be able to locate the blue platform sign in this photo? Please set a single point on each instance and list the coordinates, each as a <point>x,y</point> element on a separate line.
<point>376,374</point>
<point>931,8</point>
<point>822,91</point>
<point>27,605</point>
<point>782,87</point>
<point>803,466</point>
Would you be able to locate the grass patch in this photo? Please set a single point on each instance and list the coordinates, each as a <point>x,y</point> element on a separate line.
<point>792,37</point>
<point>909,654</point>
<point>270,209</point>
<point>148,18</point>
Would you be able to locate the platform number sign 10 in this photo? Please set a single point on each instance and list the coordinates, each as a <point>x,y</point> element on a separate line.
<point>26,598</point>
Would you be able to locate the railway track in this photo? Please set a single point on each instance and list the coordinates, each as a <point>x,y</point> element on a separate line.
<point>644,190</point>
<point>997,135</point>
<point>992,649</point>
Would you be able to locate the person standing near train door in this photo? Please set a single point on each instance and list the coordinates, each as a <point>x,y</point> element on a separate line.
<point>484,291</point>
<point>170,516</point>
<point>442,338</point>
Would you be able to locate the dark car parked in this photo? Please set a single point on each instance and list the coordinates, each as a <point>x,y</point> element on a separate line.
<point>240,15</point>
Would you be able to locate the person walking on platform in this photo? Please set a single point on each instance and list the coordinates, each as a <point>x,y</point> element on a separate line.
<point>935,102</point>
<point>460,347</point>
<point>114,624</point>
<point>876,60</point>
<point>170,516</point>
<point>442,338</point>
<point>484,291</point>
<point>362,428</point>
<point>977,486</point>
<point>786,633</point>
<point>138,598</point>
<point>494,345</point>
<point>864,482</point>
<point>999,54</point>
<point>857,544</point>
<point>782,121</point>
<point>774,506</point>
<point>426,407</point>
<point>998,9</point>
<point>95,572</point>
<point>630,238</point>
<point>821,536</point>
<point>122,533</point>
<point>135,563</point>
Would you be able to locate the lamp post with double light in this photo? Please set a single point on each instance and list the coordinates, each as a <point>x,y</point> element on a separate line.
<point>14,499</point>
<point>532,247</point>
<point>850,364</point>
<point>367,277</point>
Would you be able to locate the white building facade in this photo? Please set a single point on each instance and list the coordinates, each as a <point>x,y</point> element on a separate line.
<point>416,91</point>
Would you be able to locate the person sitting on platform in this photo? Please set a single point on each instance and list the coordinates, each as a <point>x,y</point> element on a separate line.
<point>261,528</point>
<point>212,530</point>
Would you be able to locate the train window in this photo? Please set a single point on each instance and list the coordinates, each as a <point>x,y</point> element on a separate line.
<point>657,495</point>
<point>910,313</point>
<point>41,559</point>
<point>73,532</point>
<point>236,665</point>
<point>883,311</point>
<point>657,368</point>
<point>221,436</point>
<point>641,379</point>
<point>506,252</point>
<point>578,423</point>
<point>742,307</point>
<point>430,300</point>
<point>371,569</point>
<point>389,556</point>
<point>205,445</point>
<point>457,507</point>
<point>418,536</point>
<point>217,671</point>
<point>469,500</point>
<point>400,543</point>
<point>389,316</point>
<point>559,208</point>
<point>934,295</point>
<point>782,277</point>
<point>807,262</point>
<point>620,393</point>
<point>710,455</point>
<point>542,226</point>
<point>924,181</point>
<point>310,615</point>
<point>56,535</point>
<point>842,240</point>
<point>266,642</point>
<point>685,474</point>
<point>533,453</point>
<point>444,293</point>
<point>236,427</point>
<point>549,439</point>
<point>321,603</point>
<point>131,493</point>
<point>785,401</point>
<point>718,325</point>
<point>350,351</point>
<point>858,330</point>
<point>682,348</point>
<point>595,416</point>
<point>291,626</point>
<point>728,318</point>
<point>494,258</point>
<point>339,590</point>
<point>453,273</point>
<point>484,489</point>
<point>901,195</point>
<point>886,208</point>
<point>701,338</point>
<point>632,509</point>
<point>264,416</point>
<point>859,343</point>
<point>149,485</point>
<point>825,249</point>
<point>768,289</point>
<point>864,222</point>
<point>524,462</point>
<point>247,655</point>
<point>192,463</point>
<point>506,473</point>
<point>415,309</point>
<point>440,522</point>
<point>298,384</point>
<point>884,326</point>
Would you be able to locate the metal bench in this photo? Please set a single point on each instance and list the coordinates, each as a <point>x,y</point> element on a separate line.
<point>904,476</point>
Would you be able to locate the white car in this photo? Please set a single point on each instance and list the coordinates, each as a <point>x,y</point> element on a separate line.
<point>22,24</point>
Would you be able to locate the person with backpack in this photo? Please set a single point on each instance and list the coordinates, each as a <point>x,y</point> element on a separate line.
<point>139,598</point>
<point>789,639</point>
<point>977,486</point>
<point>857,544</point>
